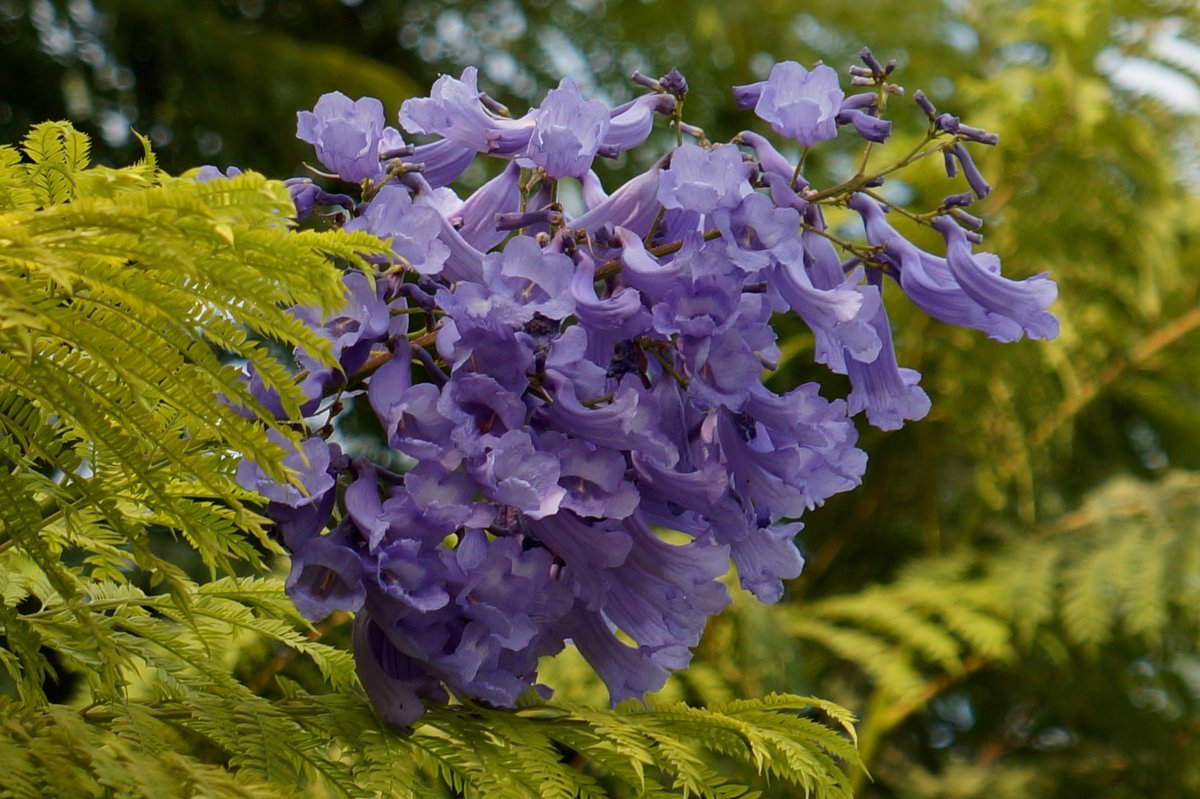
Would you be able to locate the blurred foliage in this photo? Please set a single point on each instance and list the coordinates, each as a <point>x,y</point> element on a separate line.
<point>1009,601</point>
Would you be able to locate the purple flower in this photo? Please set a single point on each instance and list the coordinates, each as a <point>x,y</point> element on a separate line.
<point>631,123</point>
<point>441,161</point>
<point>410,417</point>
<point>971,172</point>
<point>659,594</point>
<point>454,110</point>
<point>702,181</point>
<point>770,160</point>
<point>888,393</point>
<point>634,205</point>
<point>628,422</point>
<point>641,270</point>
<point>480,410</point>
<point>525,280</point>
<point>663,594</point>
<point>479,332</point>
<point>475,219</point>
<point>348,135</point>
<point>295,525</point>
<point>603,322</point>
<point>413,229</point>
<point>628,672</point>
<point>766,557</point>
<point>803,418</point>
<point>306,195</point>
<point>731,365</point>
<point>509,589</point>
<point>433,503</point>
<point>463,261</point>
<point>363,505</point>
<point>1023,301</point>
<point>325,576</point>
<point>1004,309</point>
<point>208,173</point>
<point>565,425</point>
<point>593,478</point>
<point>309,464</point>
<point>513,472</point>
<point>567,132</point>
<point>415,575</point>
<point>395,682</point>
<point>798,103</point>
<point>759,233</point>
<point>354,330</point>
<point>588,549</point>
<point>782,471</point>
<point>834,306</point>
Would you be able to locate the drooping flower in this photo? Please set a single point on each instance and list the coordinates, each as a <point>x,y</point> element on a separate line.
<point>454,111</point>
<point>475,219</point>
<point>859,110</point>
<point>890,395</point>
<point>629,124</point>
<point>1003,309</point>
<point>634,206</point>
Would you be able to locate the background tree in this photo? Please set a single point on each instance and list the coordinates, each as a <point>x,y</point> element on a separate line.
<point>1010,600</point>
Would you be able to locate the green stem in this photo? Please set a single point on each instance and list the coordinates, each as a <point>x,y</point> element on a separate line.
<point>799,166</point>
<point>654,225</point>
<point>654,349</point>
<point>860,179</point>
<point>863,251</point>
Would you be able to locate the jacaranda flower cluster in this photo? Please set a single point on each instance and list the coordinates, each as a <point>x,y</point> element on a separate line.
<point>567,386</point>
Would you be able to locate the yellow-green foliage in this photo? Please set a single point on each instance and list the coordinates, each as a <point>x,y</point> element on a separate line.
<point>125,298</point>
<point>1124,565</point>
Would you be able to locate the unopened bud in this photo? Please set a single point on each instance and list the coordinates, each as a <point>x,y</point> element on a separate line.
<point>674,83</point>
<point>968,219</point>
<point>920,99</point>
<point>871,61</point>
<point>645,80</point>
<point>550,215</point>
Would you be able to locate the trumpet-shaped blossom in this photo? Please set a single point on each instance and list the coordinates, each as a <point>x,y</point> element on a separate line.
<point>702,181</point>
<point>800,104</point>
<point>968,291</point>
<point>567,132</point>
<point>412,229</point>
<point>349,135</point>
<point>455,111</point>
